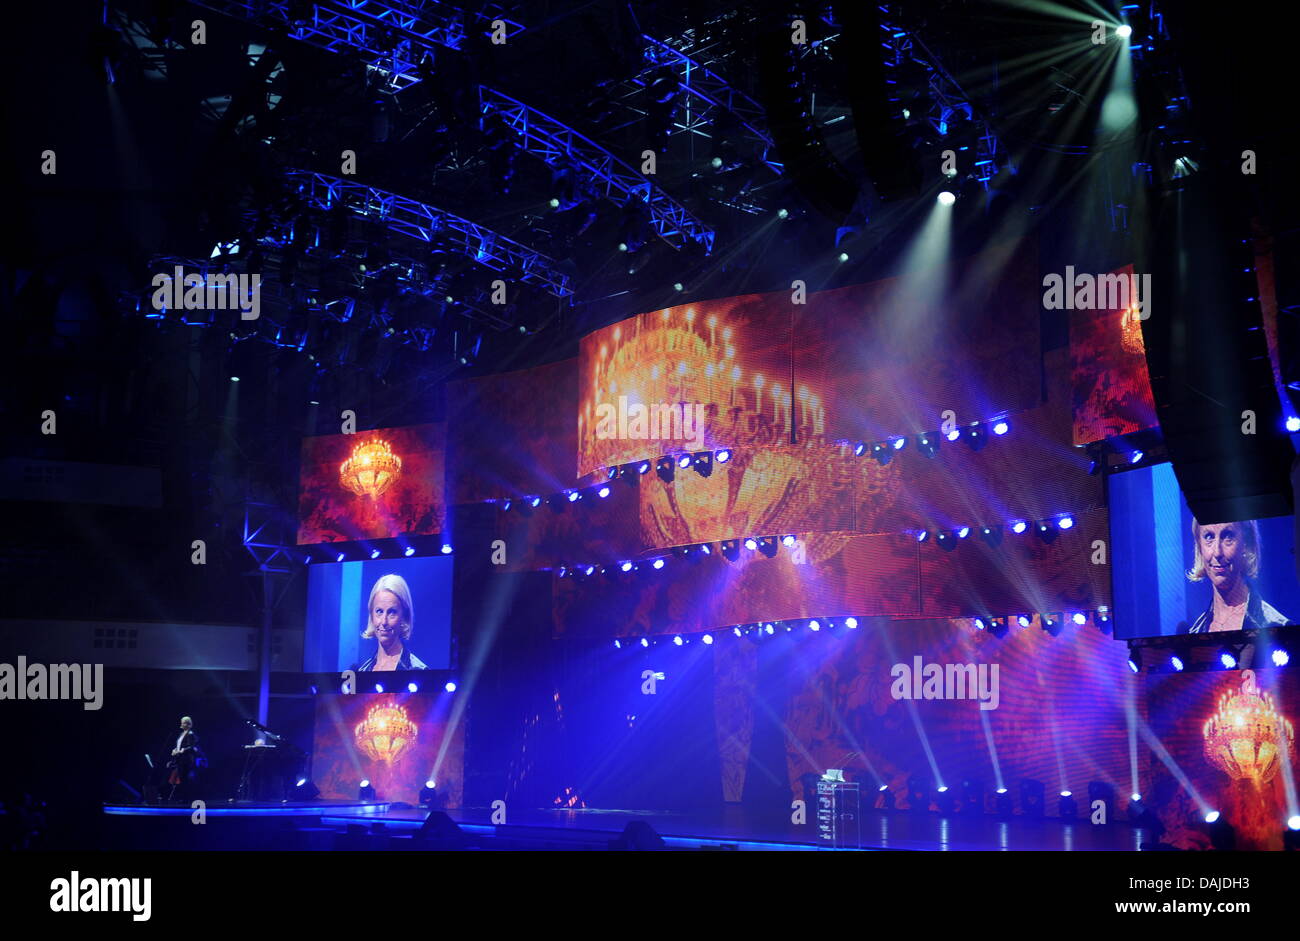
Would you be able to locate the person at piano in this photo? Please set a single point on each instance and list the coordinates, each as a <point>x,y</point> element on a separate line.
<point>389,620</point>
<point>183,762</point>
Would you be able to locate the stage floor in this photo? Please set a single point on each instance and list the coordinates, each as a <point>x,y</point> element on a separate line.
<point>731,827</point>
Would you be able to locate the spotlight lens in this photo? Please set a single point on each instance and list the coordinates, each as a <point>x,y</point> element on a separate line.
<point>535,501</point>
<point>626,566</point>
<point>339,557</point>
<point>723,456</point>
<point>1137,456</point>
<point>1176,663</point>
<point>898,443</point>
<point>410,550</point>
<point>643,467</point>
<point>1212,817</point>
<point>844,256</point>
<point>365,783</point>
<point>574,496</point>
<point>954,435</point>
<point>412,688</point>
<point>1293,424</point>
<point>446,549</point>
<point>963,532</point>
<point>1135,797</point>
<point>1293,823</point>
<point>555,203</point>
<point>1019,526</point>
<point>1280,658</point>
<point>678,640</point>
<point>751,544</point>
<point>979,624</point>
<point>618,644</point>
<point>603,492</point>
<point>707,639</point>
<point>1080,618</point>
<point>1001,428</point>
<point>431,784</point>
<point>678,286</point>
<point>815,625</point>
<point>379,687</point>
<point>1228,660</point>
<point>921,536</point>
<point>1024,620</point>
<point>946,198</point>
<point>451,688</point>
<point>787,541</point>
<point>1124,32</point>
<point>374,553</point>
<point>645,641</point>
<point>1067,522</point>
<point>658,563</point>
<point>1132,665</point>
<point>782,214</point>
<point>850,623</point>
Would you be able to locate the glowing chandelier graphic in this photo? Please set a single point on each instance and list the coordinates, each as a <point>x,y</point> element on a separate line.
<point>1246,737</point>
<point>371,470</point>
<point>386,733</point>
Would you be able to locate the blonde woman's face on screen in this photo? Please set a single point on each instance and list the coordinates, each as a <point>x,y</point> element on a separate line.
<point>1220,548</point>
<point>386,617</point>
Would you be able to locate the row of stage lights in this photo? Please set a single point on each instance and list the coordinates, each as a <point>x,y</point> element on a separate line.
<point>1227,659</point>
<point>327,553</point>
<point>376,687</point>
<point>1046,529</point>
<point>928,442</point>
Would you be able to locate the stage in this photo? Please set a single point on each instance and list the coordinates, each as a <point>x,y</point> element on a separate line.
<point>379,826</point>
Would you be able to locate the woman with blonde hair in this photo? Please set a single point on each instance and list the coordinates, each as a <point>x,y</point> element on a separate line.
<point>1227,555</point>
<point>389,619</point>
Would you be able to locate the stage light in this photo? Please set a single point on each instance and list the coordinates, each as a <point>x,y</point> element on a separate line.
<point>978,624</point>
<point>1024,620</point>
<point>374,553</point>
<point>450,686</point>
<point>412,688</point>
<point>677,640</point>
<point>625,567</point>
<point>379,687</point>
<point>737,631</point>
<point>1000,428</point>
<point>446,548</point>
<point>622,246</point>
<point>723,456</point>
<point>899,442</point>
<point>664,468</point>
<point>1280,657</point>
<point>975,436</point>
<point>703,463</point>
<point>1212,816</point>
<point>770,629</point>
<point>859,448</point>
<point>730,549</point>
<point>1067,808</point>
<point>707,639</point>
<point>768,546</point>
<point>657,564</point>
<point>234,378</point>
<point>1133,665</point>
<point>946,198</point>
<point>751,543</point>
<point>429,793</point>
<point>365,792</point>
<point>991,534</point>
<point>945,541</point>
<point>588,570</point>
<point>704,549</point>
<point>645,641</point>
<point>1019,526</point>
<point>678,286</point>
<point>1135,457</point>
<point>1031,797</point>
<point>1003,805</point>
<point>953,435</point>
<point>618,644</point>
<point>340,557</point>
<point>603,492</point>
<point>881,453</point>
<point>1079,618</point>
<point>1124,31</point>
<point>1228,659</point>
<point>574,496</point>
<point>305,790</point>
<point>844,256</point>
<point>410,551</point>
<point>684,461</point>
<point>851,623</point>
<point>814,625</point>
<point>788,541</point>
<point>1050,623</point>
<point>1046,531</point>
<point>922,536</point>
<point>1176,663</point>
<point>534,502</point>
<point>928,444</point>
<point>643,467</point>
<point>783,214</point>
<point>963,532</point>
<point>1293,823</point>
<point>1066,522</point>
<point>1292,423</point>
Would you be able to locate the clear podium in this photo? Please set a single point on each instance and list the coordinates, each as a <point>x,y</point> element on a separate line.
<point>839,824</point>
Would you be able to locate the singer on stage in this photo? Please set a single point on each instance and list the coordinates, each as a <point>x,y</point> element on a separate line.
<point>183,762</point>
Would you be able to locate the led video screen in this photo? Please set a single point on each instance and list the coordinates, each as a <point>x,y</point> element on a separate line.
<point>1176,575</point>
<point>372,485</point>
<point>403,605</point>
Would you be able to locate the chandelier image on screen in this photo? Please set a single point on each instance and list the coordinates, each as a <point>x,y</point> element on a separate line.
<point>1247,738</point>
<point>371,470</point>
<point>386,733</point>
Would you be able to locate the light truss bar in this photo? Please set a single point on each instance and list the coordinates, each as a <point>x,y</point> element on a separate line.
<point>422,222</point>
<point>554,142</point>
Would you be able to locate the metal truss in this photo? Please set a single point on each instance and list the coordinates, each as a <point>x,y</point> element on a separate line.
<point>902,45</point>
<point>268,538</point>
<point>706,92</point>
<point>422,222</point>
<point>392,35</point>
<point>556,143</point>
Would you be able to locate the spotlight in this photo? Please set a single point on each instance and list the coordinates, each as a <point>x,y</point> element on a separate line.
<point>922,536</point>
<point>770,629</point>
<point>429,793</point>
<point>1135,457</point>
<point>684,461</point>
<point>374,553</point>
<point>707,639</point>
<point>1176,662</point>
<point>851,623</point>
<point>886,799</point>
<point>751,543</point>
<point>723,456</point>
<point>788,541</point>
<point>963,532</point>
<point>978,624</point>
<point>730,549</point>
<point>898,443</point>
<point>1133,665</point>
<point>305,790</point>
<point>450,686</point>
<point>953,435</point>
<point>618,644</point>
<point>234,378</point>
<point>1066,522</point>
<point>1280,656</point>
<point>533,502</point>
<point>1051,623</point>
<point>768,546</point>
<point>704,549</point>
<point>664,468</point>
<point>928,444</point>
<point>1001,427</point>
<point>1228,659</point>
<point>340,557</point>
<point>1124,31</point>
<point>998,627</point>
<point>678,286</point>
<point>574,496</point>
<point>625,567</point>
<point>379,687</point>
<point>1292,423</point>
<point>703,463</point>
<point>975,436</point>
<point>1019,526</point>
<point>365,791</point>
<point>1079,618</point>
<point>603,492</point>
<point>446,548</point>
<point>814,625</point>
<point>844,256</point>
<point>643,467</point>
<point>1003,805</point>
<point>946,198</point>
<point>410,551</point>
<point>412,688</point>
<point>645,641</point>
<point>783,214</point>
<point>881,453</point>
<point>677,640</point>
<point>1067,807</point>
<point>859,448</point>
<point>991,534</point>
<point>657,564</point>
<point>945,541</point>
<point>1046,531</point>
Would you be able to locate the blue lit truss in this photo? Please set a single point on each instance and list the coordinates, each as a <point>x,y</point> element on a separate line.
<point>422,222</point>
<point>391,34</point>
<point>555,143</point>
